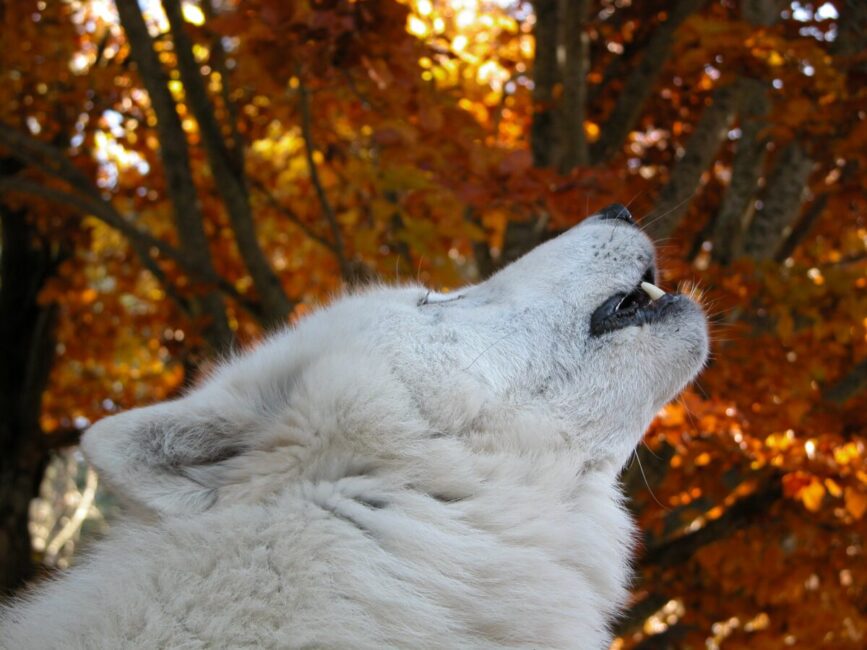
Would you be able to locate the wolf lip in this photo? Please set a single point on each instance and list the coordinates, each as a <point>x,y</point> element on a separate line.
<point>634,308</point>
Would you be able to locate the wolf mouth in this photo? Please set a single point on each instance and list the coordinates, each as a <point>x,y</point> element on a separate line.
<point>645,304</point>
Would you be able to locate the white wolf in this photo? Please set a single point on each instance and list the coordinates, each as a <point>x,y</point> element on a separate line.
<point>403,469</point>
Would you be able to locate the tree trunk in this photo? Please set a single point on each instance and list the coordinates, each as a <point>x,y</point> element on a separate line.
<point>227,166</point>
<point>575,43</point>
<point>851,384</point>
<point>638,86</point>
<point>782,203</point>
<point>700,152</point>
<point>27,349</point>
<point>852,26</point>
<point>175,156</point>
<point>749,161</point>
<point>545,77</point>
<point>802,227</point>
<point>754,105</point>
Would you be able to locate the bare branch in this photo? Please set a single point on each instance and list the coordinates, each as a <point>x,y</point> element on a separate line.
<point>43,156</point>
<point>750,151</point>
<point>229,175</point>
<point>761,12</point>
<point>218,63</point>
<point>749,160</point>
<point>782,203</point>
<point>674,550</point>
<point>46,157</point>
<point>803,227</point>
<point>87,199</point>
<point>576,48</point>
<point>639,85</point>
<point>327,209</point>
<point>634,617</point>
<point>141,241</point>
<point>852,31</point>
<point>545,76</point>
<point>848,386</point>
<point>701,149</point>
<point>157,271</point>
<point>290,214</point>
<point>175,156</point>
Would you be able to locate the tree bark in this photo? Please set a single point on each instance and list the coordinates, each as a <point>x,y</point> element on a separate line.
<point>782,203</point>
<point>227,166</point>
<point>761,12</point>
<point>575,43</point>
<point>175,156</point>
<point>851,30</point>
<point>851,384</point>
<point>27,350</point>
<point>632,98</point>
<point>313,171</point>
<point>749,161</point>
<point>754,105</point>
<point>700,152</point>
<point>86,198</point>
<point>746,511</point>
<point>545,77</point>
<point>802,228</point>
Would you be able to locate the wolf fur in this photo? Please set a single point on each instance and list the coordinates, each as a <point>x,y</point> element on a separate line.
<point>402,469</point>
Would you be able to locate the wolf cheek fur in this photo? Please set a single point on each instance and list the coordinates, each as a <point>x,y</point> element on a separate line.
<point>402,469</point>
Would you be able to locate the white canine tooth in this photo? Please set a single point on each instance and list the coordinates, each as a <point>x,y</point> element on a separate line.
<point>652,290</point>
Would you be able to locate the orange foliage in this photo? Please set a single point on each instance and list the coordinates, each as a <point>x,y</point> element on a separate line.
<point>421,118</point>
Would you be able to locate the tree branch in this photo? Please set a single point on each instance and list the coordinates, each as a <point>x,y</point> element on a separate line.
<point>675,550</point>
<point>634,617</point>
<point>638,86</point>
<point>845,388</point>
<point>324,202</point>
<point>761,12</point>
<point>782,203</point>
<point>60,438</point>
<point>750,151</point>
<point>47,158</point>
<point>701,149</point>
<point>229,174</point>
<point>291,215</point>
<point>852,28</point>
<point>87,199</point>
<point>576,48</point>
<point>218,63</point>
<point>802,228</point>
<point>545,76</point>
<point>749,161</point>
<point>141,241</point>
<point>174,153</point>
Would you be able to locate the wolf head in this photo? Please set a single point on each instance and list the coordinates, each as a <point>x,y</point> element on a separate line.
<point>571,348</point>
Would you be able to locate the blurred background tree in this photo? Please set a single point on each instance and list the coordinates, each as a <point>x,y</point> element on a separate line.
<point>178,177</point>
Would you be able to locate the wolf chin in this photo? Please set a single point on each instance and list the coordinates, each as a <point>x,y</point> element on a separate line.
<point>402,469</point>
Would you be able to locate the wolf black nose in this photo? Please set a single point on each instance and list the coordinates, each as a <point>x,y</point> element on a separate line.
<point>616,211</point>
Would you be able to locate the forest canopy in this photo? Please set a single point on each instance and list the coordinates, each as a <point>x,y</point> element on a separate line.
<point>177,178</point>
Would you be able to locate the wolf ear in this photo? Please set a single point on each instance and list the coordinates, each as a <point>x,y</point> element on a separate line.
<point>164,457</point>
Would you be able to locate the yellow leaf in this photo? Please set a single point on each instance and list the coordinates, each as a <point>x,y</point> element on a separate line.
<point>812,496</point>
<point>775,59</point>
<point>193,14</point>
<point>833,488</point>
<point>846,454</point>
<point>856,503</point>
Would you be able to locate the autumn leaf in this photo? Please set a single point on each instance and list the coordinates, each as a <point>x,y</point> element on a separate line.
<point>856,502</point>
